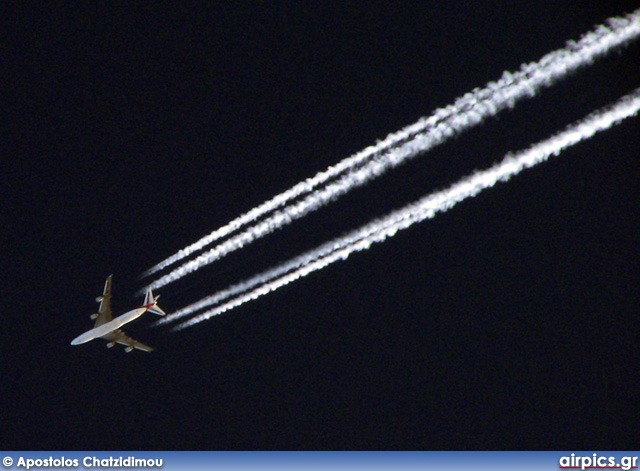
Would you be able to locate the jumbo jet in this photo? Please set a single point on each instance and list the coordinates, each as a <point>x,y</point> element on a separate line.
<point>109,329</point>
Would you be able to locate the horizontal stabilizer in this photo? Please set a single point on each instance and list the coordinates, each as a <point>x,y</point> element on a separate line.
<point>151,304</point>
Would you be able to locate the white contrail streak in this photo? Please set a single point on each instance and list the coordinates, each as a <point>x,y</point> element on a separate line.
<point>466,112</point>
<point>426,208</point>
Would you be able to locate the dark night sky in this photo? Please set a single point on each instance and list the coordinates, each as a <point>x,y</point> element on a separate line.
<point>131,130</point>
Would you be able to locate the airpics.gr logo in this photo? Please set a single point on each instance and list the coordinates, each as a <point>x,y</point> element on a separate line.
<point>595,461</point>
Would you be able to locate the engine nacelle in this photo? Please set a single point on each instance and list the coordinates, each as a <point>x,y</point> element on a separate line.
<point>99,299</point>
<point>111,344</point>
<point>94,316</point>
<point>128,349</point>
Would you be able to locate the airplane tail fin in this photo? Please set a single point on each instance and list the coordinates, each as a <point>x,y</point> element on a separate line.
<point>149,300</point>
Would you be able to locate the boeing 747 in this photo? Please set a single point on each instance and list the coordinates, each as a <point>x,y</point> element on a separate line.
<point>109,329</point>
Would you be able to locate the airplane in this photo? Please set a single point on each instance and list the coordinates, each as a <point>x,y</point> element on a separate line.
<point>109,329</point>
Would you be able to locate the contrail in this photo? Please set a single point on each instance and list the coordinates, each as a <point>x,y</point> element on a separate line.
<point>426,208</point>
<point>466,112</point>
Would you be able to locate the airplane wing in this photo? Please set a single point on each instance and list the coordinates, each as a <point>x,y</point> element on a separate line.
<point>104,313</point>
<point>120,337</point>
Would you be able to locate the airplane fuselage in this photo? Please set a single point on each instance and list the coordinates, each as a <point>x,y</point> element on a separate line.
<point>110,326</point>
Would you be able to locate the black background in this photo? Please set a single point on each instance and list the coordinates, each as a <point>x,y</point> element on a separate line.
<point>131,130</point>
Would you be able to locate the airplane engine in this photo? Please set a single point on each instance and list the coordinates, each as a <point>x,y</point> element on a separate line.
<point>99,299</point>
<point>128,349</point>
<point>111,344</point>
<point>94,316</point>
